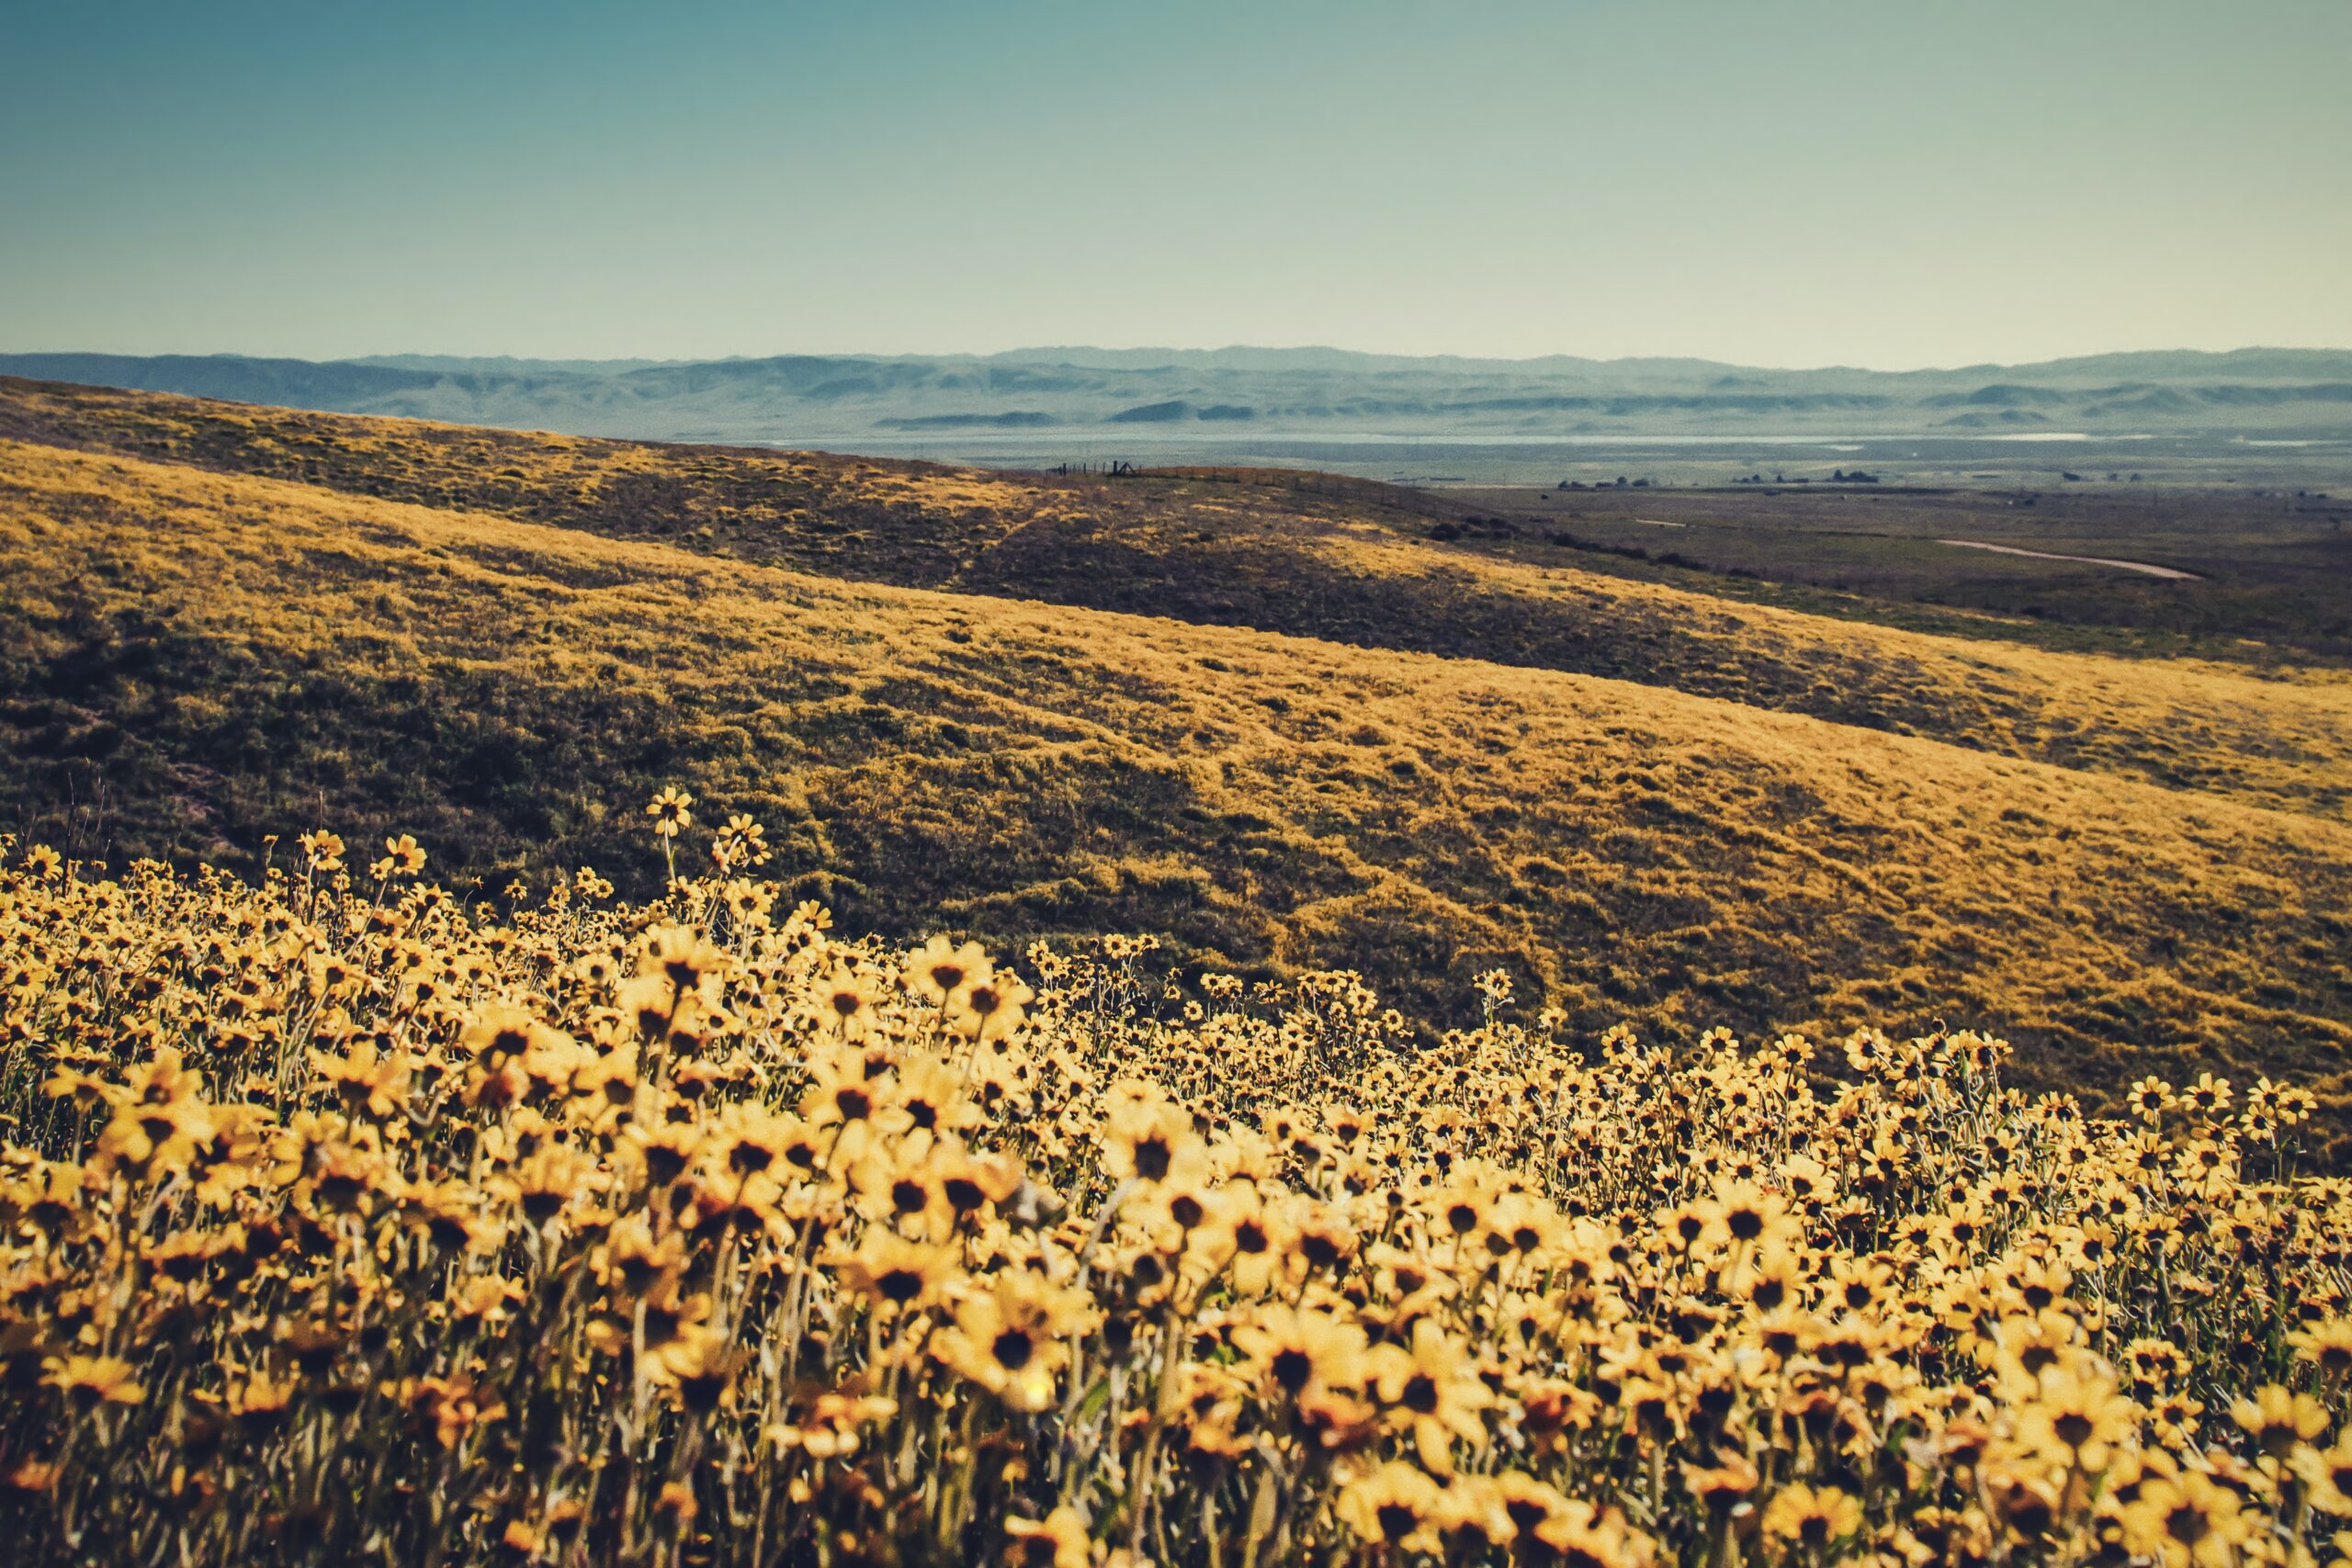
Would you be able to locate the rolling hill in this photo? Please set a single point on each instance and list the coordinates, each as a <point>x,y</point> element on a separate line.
<point>222,624</point>
<point>1309,555</point>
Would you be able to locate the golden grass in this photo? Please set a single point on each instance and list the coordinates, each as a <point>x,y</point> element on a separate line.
<point>2281,739</point>
<point>232,656</point>
<point>1337,561</point>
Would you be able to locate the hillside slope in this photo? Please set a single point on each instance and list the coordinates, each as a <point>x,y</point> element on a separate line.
<point>189,661</point>
<point>1343,563</point>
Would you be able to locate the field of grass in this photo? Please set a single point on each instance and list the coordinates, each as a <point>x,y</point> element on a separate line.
<point>190,661</point>
<point>2272,565</point>
<point>1337,560</point>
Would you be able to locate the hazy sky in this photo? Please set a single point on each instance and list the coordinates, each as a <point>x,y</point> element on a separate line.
<point>1890,182</point>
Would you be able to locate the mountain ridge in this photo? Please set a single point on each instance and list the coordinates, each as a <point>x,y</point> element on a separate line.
<point>1300,393</point>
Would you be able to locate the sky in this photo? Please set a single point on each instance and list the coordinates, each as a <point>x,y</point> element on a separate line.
<point>1770,182</point>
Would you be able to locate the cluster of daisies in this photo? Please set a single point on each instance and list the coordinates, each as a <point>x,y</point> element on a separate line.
<point>343,1218</point>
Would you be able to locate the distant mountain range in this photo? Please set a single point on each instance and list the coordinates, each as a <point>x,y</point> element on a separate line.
<point>835,399</point>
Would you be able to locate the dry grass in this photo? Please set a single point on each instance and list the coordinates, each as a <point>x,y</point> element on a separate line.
<point>1340,562</point>
<point>230,657</point>
<point>2281,738</point>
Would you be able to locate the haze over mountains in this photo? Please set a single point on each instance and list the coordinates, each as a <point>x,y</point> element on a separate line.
<point>1163,394</point>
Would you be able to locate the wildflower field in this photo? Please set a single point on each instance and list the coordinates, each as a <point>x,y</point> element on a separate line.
<point>1550,1102</point>
<point>347,1219</point>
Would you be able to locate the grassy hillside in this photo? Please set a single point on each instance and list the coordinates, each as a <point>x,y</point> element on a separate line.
<point>189,661</point>
<point>1339,563</point>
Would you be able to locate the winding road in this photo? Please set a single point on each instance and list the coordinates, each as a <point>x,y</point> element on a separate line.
<point>2138,566</point>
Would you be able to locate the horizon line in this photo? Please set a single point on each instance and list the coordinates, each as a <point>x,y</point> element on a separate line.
<point>652,362</point>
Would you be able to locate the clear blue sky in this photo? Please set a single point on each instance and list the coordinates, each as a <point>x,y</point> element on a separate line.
<point>1887,182</point>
